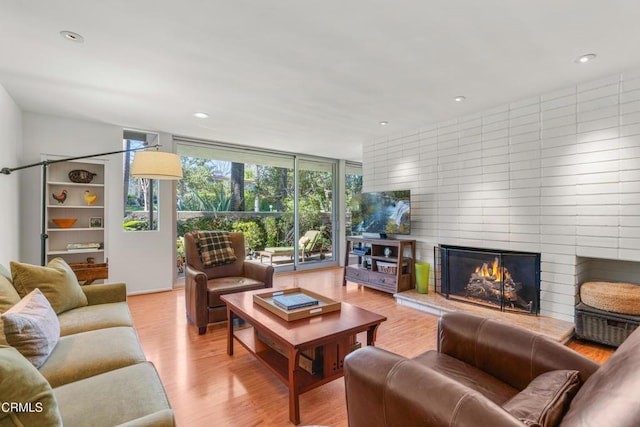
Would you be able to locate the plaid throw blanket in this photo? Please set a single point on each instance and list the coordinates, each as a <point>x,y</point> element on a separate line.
<point>215,248</point>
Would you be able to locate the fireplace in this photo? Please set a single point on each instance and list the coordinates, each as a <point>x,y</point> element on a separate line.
<point>503,280</point>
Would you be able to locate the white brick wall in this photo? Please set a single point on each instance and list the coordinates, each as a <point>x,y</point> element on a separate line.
<point>557,174</point>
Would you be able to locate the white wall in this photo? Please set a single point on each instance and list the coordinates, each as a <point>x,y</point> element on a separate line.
<point>10,139</point>
<point>557,174</point>
<point>144,260</point>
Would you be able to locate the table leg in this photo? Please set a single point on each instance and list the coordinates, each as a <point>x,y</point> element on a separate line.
<point>294,401</point>
<point>371,334</point>
<point>230,317</point>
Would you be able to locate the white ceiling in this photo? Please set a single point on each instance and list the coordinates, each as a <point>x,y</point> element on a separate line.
<point>306,76</point>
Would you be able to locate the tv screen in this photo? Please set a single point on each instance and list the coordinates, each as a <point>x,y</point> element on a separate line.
<point>386,212</point>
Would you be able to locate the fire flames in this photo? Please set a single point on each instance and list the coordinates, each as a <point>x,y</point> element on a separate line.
<point>493,272</point>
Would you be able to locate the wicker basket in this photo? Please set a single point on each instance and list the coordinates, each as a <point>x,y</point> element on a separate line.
<point>603,326</point>
<point>387,267</point>
<point>81,176</point>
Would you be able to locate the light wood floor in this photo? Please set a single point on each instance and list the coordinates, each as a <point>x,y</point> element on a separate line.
<point>206,387</point>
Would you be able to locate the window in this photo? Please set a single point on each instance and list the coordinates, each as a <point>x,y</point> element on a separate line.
<point>140,194</point>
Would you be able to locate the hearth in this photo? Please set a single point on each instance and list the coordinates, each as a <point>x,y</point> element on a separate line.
<point>503,280</point>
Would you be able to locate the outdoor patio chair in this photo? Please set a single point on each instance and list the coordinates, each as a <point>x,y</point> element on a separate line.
<point>309,242</point>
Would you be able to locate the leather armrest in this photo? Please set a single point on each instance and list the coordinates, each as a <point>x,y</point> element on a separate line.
<point>365,372</point>
<point>513,354</point>
<point>195,290</point>
<point>261,272</point>
<point>105,293</point>
<point>386,389</point>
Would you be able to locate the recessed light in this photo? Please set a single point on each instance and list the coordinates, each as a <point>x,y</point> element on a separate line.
<point>71,36</point>
<point>459,98</point>
<point>201,115</point>
<point>586,58</point>
<point>384,123</point>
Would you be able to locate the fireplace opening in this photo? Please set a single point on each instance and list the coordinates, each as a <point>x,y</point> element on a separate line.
<point>503,280</point>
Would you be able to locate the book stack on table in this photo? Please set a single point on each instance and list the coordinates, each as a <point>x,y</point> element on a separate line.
<point>292,302</point>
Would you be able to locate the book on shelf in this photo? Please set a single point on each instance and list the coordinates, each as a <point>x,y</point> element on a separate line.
<point>83,246</point>
<point>291,302</point>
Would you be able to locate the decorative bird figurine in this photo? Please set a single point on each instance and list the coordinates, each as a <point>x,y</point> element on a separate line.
<point>90,198</point>
<point>60,198</point>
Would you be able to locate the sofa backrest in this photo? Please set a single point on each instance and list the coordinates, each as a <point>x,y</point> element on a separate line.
<point>509,353</point>
<point>611,396</point>
<point>236,268</point>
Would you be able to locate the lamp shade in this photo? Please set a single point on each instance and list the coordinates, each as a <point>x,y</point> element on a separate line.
<point>156,165</point>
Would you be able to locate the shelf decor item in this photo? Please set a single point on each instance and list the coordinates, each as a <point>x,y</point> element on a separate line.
<point>61,197</point>
<point>387,267</point>
<point>90,198</point>
<point>81,176</point>
<point>64,222</point>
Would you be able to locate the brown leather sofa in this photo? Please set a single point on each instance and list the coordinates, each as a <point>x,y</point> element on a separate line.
<point>204,286</point>
<point>488,373</point>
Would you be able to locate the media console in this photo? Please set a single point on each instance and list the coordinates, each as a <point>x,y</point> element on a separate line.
<point>383,264</point>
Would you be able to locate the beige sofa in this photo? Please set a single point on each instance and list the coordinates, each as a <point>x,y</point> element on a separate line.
<point>96,374</point>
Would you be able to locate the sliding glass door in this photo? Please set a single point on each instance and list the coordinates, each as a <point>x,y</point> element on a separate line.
<point>282,203</point>
<point>316,216</point>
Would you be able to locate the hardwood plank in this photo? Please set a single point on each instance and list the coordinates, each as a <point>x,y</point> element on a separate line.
<point>208,387</point>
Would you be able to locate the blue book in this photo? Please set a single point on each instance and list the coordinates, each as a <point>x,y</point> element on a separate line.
<point>291,302</point>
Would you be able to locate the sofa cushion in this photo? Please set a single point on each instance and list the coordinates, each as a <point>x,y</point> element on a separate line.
<point>115,397</point>
<point>229,285</point>
<point>470,376</point>
<point>31,326</point>
<point>57,281</point>
<point>86,354</point>
<point>8,297</point>
<point>546,399</point>
<point>94,317</point>
<point>33,394</point>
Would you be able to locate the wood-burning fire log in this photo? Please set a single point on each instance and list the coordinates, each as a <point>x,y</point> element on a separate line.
<point>495,284</point>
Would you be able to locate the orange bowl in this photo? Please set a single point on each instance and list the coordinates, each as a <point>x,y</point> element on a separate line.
<point>64,222</point>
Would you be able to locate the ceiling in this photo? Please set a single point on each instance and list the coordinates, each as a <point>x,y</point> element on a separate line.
<point>307,76</point>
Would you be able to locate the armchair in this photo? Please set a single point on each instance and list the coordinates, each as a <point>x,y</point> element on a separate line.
<point>488,373</point>
<point>204,286</point>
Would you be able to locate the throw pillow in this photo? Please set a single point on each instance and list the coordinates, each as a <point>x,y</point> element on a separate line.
<point>215,248</point>
<point>56,281</point>
<point>31,326</point>
<point>31,394</point>
<point>8,298</point>
<point>8,294</point>
<point>546,399</point>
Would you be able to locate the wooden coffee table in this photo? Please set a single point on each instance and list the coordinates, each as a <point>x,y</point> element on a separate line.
<point>333,332</point>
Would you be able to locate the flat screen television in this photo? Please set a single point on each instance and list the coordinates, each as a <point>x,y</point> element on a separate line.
<point>386,212</point>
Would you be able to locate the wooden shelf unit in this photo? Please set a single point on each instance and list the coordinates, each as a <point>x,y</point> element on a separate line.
<point>382,256</point>
<point>75,206</point>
